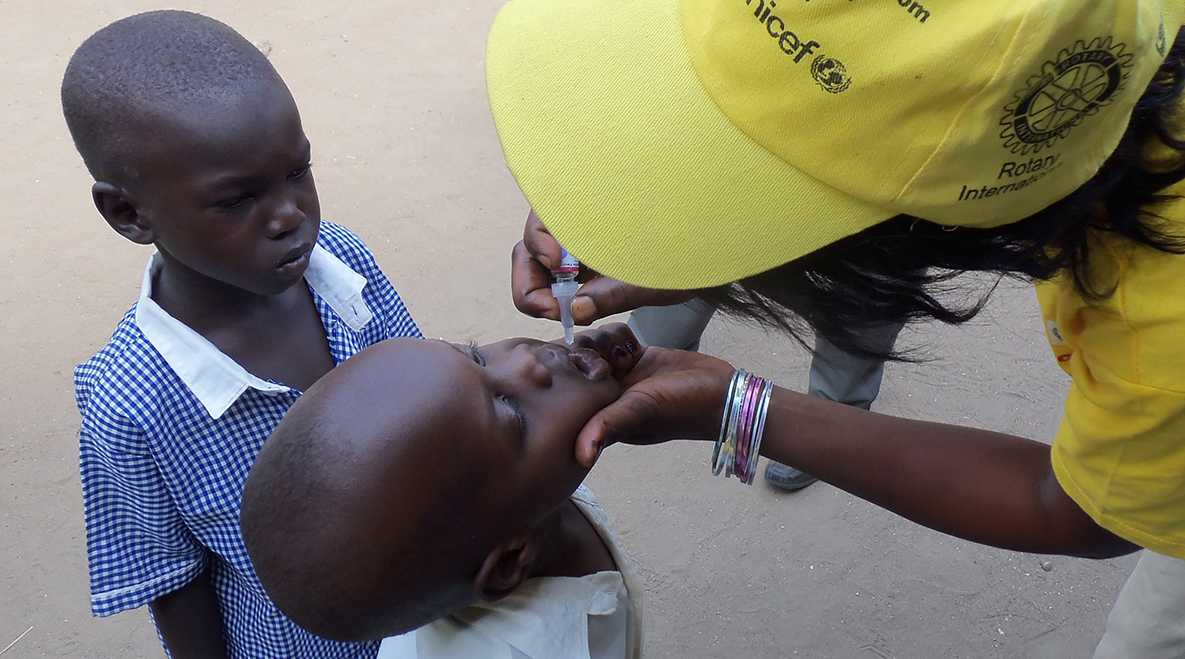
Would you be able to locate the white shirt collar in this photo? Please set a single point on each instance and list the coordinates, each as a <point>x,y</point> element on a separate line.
<point>214,378</point>
<point>546,618</point>
<point>598,616</point>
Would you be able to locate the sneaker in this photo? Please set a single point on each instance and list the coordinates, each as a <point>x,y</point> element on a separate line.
<point>785,477</point>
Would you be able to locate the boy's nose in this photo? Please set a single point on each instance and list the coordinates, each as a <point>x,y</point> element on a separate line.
<point>285,219</point>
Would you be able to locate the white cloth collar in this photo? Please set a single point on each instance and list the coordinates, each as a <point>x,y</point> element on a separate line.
<point>598,616</point>
<point>545,618</point>
<point>214,378</point>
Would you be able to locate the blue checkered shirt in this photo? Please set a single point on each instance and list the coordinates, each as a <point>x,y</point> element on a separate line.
<point>170,428</point>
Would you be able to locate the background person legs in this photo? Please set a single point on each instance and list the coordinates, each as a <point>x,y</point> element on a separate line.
<point>678,326</point>
<point>1148,619</point>
<point>835,375</point>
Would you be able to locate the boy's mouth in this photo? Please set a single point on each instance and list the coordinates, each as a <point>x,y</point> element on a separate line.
<point>590,364</point>
<point>295,258</point>
<point>585,361</point>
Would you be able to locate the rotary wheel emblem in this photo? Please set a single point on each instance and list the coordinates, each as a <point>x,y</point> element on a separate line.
<point>1076,85</point>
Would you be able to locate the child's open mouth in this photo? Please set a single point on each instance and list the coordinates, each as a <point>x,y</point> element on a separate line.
<point>592,365</point>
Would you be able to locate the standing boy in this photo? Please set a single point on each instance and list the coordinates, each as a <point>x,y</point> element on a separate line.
<point>196,147</point>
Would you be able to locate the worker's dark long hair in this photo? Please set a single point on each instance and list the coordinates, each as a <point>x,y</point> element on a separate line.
<point>906,269</point>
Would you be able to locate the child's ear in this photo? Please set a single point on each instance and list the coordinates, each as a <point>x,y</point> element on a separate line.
<point>506,567</point>
<point>119,209</point>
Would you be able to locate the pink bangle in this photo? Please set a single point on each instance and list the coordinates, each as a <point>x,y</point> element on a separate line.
<point>746,430</point>
<point>755,445</point>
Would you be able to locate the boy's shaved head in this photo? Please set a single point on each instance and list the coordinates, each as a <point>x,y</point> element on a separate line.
<point>130,76</point>
<point>416,477</point>
<point>197,148</point>
<point>369,508</point>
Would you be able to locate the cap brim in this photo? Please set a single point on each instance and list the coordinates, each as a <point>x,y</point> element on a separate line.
<point>628,161</point>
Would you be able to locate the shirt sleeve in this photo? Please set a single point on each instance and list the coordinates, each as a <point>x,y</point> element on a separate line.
<point>1120,454</point>
<point>397,321</point>
<point>138,547</point>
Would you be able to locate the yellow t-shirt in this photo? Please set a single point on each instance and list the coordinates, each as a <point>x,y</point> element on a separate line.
<point>1120,450</point>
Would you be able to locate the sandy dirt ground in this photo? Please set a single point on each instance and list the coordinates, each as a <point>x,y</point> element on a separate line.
<point>393,100</point>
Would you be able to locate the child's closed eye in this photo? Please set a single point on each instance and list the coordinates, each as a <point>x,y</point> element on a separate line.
<point>300,172</point>
<point>235,203</point>
<point>509,403</point>
<point>475,354</point>
<point>516,411</point>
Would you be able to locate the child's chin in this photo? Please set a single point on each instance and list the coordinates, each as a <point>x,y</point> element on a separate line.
<point>280,282</point>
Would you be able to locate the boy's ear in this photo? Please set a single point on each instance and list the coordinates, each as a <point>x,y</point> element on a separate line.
<point>506,567</point>
<point>119,209</point>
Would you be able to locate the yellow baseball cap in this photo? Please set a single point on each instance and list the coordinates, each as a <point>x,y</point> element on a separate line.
<point>691,143</point>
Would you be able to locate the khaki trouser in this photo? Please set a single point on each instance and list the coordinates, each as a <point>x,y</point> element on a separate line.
<point>1148,619</point>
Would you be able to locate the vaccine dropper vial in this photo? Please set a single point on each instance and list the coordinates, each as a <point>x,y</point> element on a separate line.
<point>564,287</point>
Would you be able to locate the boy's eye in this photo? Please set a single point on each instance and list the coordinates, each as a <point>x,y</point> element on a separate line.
<point>297,174</point>
<point>234,203</point>
<point>516,412</point>
<point>501,400</point>
<point>476,355</point>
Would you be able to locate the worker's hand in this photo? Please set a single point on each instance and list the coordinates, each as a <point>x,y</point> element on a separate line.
<point>530,283</point>
<point>615,343</point>
<point>670,394</point>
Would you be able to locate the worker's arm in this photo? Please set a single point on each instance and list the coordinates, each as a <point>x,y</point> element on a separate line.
<point>983,486</point>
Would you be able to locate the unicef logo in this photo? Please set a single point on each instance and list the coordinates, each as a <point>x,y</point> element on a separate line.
<point>1076,85</point>
<point>831,74</point>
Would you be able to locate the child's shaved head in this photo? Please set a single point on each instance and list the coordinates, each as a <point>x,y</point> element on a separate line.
<point>415,478</point>
<point>197,148</point>
<point>361,499</point>
<point>138,71</point>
